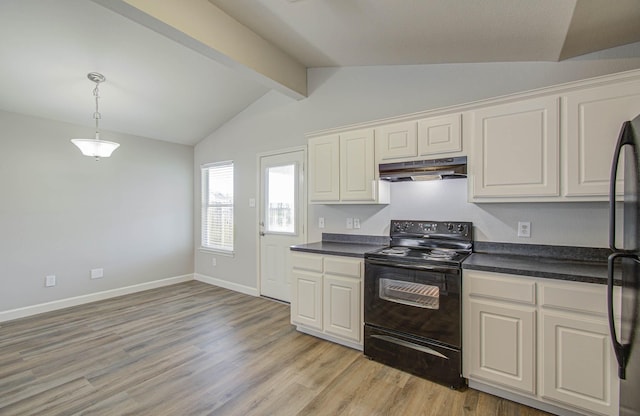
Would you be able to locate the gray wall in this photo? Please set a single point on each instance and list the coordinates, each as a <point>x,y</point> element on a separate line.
<point>63,213</point>
<point>342,96</point>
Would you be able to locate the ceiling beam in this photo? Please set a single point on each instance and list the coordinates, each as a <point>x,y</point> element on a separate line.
<point>203,27</point>
<point>598,25</point>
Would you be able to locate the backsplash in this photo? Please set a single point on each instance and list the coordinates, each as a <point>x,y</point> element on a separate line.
<point>582,224</point>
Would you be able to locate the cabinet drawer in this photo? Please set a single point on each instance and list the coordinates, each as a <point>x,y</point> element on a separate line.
<point>575,296</point>
<point>343,267</point>
<point>312,262</point>
<point>501,287</point>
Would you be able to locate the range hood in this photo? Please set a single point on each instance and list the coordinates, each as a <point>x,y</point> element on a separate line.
<point>424,170</point>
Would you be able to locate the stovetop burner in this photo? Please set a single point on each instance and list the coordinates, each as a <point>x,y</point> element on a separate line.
<point>427,241</point>
<point>395,251</point>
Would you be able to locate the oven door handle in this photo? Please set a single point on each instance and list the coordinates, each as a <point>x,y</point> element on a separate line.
<point>450,270</point>
<point>411,345</point>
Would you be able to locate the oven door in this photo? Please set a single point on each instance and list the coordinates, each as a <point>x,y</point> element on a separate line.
<point>420,300</point>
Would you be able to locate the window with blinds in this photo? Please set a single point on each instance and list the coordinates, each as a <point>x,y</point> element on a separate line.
<point>217,206</point>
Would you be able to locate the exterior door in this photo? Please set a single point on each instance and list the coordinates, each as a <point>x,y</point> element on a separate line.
<point>281,219</point>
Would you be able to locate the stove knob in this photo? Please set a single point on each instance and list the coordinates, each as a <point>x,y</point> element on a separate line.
<point>450,227</point>
<point>461,227</point>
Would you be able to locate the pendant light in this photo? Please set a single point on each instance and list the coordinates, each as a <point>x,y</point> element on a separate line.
<point>95,147</point>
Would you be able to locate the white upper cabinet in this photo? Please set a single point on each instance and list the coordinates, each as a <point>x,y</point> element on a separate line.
<point>550,145</point>
<point>593,118</point>
<point>397,141</point>
<point>419,139</point>
<point>516,149</point>
<point>342,169</point>
<point>324,169</point>
<point>357,166</point>
<point>438,135</point>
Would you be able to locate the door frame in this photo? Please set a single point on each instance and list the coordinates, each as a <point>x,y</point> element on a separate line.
<point>260,201</point>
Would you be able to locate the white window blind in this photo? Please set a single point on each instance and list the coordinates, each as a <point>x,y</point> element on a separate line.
<point>217,206</point>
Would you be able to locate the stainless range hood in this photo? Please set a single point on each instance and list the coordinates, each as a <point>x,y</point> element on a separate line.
<point>424,170</point>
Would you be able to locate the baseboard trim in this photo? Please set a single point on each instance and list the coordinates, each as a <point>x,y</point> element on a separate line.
<point>514,397</point>
<point>92,297</point>
<point>226,284</point>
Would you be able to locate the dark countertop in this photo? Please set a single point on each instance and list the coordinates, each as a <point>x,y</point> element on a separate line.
<point>337,248</point>
<point>579,264</point>
<point>545,267</point>
<point>349,245</point>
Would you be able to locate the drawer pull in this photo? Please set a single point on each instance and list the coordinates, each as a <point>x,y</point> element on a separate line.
<point>411,345</point>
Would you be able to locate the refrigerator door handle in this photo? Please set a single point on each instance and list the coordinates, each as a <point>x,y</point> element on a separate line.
<point>621,350</point>
<point>624,139</point>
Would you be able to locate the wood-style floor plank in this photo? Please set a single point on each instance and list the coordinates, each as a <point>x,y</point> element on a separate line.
<point>196,349</point>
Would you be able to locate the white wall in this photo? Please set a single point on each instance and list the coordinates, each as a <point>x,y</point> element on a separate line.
<point>574,224</point>
<point>63,213</point>
<point>342,96</point>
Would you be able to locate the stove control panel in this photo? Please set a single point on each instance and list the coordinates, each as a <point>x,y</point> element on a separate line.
<point>460,230</point>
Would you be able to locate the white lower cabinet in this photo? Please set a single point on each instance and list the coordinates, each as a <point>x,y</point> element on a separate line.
<point>327,297</point>
<point>499,327</point>
<point>578,365</point>
<point>307,308</point>
<point>342,307</point>
<point>543,341</point>
<point>505,339</point>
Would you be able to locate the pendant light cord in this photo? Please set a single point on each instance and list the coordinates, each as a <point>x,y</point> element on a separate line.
<point>97,116</point>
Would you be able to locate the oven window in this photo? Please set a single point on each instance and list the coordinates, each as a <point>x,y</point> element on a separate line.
<point>409,293</point>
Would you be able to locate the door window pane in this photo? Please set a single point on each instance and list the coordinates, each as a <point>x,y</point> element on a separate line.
<point>281,199</point>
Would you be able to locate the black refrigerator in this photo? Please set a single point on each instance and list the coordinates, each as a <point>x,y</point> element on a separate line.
<point>624,266</point>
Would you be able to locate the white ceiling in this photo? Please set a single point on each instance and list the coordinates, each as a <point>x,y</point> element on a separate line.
<point>167,83</point>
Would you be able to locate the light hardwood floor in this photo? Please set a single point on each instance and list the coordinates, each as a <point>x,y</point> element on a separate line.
<point>196,349</point>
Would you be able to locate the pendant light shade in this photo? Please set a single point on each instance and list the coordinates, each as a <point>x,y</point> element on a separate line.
<point>95,147</point>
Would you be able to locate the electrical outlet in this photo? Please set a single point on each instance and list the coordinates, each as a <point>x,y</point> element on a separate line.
<point>524,229</point>
<point>97,273</point>
<point>349,223</point>
<point>356,223</point>
<point>214,262</point>
<point>321,222</point>
<point>50,280</point>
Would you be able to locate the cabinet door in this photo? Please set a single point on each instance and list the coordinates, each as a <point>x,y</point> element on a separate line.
<point>502,344</point>
<point>516,149</point>
<point>306,302</point>
<point>324,169</point>
<point>342,307</point>
<point>440,135</point>
<point>397,141</point>
<point>593,119</point>
<point>578,368</point>
<point>357,166</point>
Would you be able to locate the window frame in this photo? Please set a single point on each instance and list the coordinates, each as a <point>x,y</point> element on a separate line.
<point>205,170</point>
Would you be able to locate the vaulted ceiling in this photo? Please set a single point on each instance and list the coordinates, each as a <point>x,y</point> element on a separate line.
<point>178,69</point>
